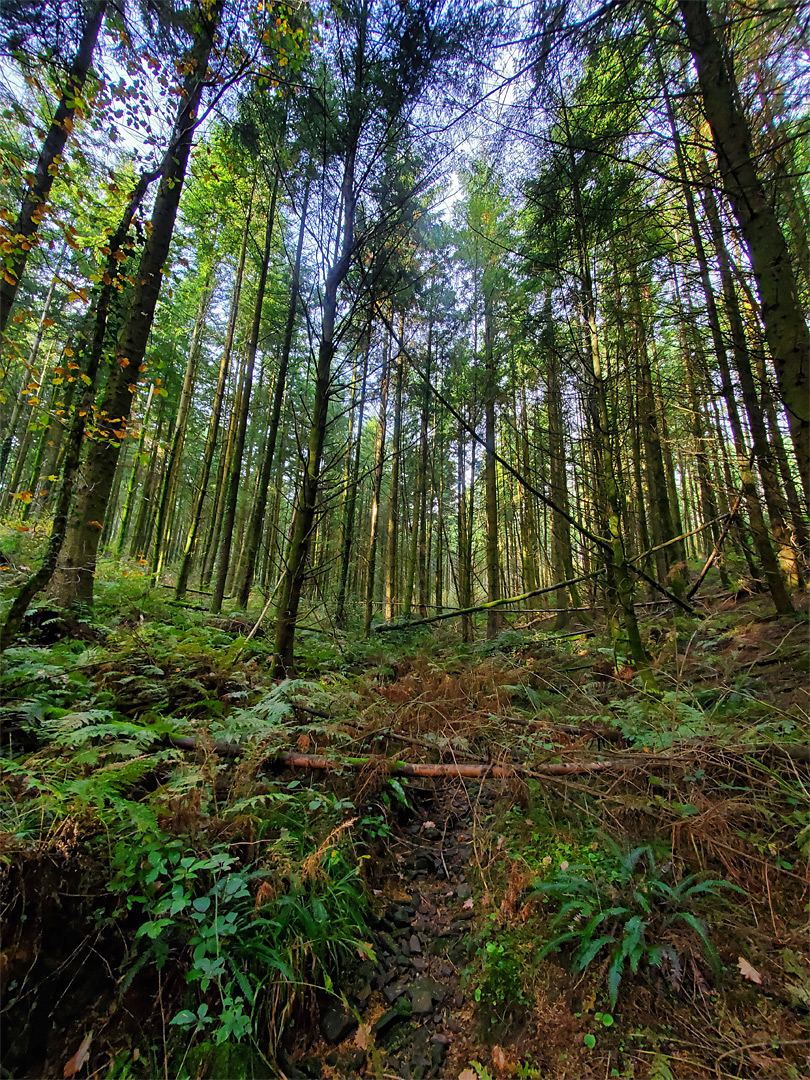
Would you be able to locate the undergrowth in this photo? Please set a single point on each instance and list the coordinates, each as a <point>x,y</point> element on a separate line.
<point>236,894</point>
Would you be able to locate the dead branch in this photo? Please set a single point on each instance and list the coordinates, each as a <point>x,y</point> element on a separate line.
<point>456,612</point>
<point>473,770</point>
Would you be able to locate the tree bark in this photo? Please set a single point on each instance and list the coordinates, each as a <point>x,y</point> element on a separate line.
<point>168,491</point>
<point>92,348</point>
<point>235,470</point>
<point>785,328</point>
<point>490,472</point>
<point>351,497</point>
<point>254,529</point>
<point>73,581</point>
<point>379,462</point>
<point>392,561</point>
<point>307,506</point>
<point>213,424</point>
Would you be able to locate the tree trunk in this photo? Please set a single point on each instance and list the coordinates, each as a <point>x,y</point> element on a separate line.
<point>306,509</point>
<point>350,502</point>
<point>392,564</point>
<point>490,473</point>
<point>418,535</point>
<point>562,558</point>
<point>244,408</point>
<point>254,529</point>
<point>762,541</point>
<point>23,234</point>
<point>168,492</point>
<point>92,348</point>
<point>379,462</point>
<point>213,424</point>
<point>774,499</point>
<point>785,328</point>
<point>73,581</point>
<point>610,505</point>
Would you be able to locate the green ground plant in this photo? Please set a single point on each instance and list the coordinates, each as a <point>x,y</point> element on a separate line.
<point>637,914</point>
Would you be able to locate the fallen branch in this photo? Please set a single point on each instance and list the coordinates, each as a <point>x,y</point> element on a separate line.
<point>409,768</point>
<point>456,612</point>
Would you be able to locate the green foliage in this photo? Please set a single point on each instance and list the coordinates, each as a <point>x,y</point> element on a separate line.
<point>246,903</point>
<point>501,989</point>
<point>245,953</point>
<point>635,915</point>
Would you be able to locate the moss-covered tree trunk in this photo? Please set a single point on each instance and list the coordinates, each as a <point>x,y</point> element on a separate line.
<point>73,580</point>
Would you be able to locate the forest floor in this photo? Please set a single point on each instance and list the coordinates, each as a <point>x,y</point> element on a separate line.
<point>179,899</point>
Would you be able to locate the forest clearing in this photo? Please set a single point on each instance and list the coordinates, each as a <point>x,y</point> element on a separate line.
<point>404,539</point>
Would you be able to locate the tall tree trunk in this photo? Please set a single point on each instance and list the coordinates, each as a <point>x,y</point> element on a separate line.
<point>254,529</point>
<point>490,472</point>
<point>416,554</point>
<point>31,368</point>
<point>307,506</point>
<point>785,328</point>
<point>379,463</point>
<point>438,459</point>
<point>168,491</point>
<point>23,234</point>
<point>129,501</point>
<point>213,424</point>
<point>562,558</point>
<point>350,502</point>
<point>73,580</point>
<point>774,499</point>
<point>762,541</point>
<point>392,562</point>
<point>674,556</point>
<point>464,582</point>
<point>90,350</point>
<point>244,408</point>
<point>610,504</point>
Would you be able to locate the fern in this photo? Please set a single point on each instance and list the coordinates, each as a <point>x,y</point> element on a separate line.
<point>625,912</point>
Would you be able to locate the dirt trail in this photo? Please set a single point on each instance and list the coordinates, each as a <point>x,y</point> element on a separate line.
<point>415,1011</point>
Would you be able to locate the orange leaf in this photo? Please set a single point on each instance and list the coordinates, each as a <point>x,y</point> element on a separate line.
<point>77,1062</point>
<point>97,524</point>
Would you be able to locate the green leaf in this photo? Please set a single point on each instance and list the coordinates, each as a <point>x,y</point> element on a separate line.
<point>183,1018</point>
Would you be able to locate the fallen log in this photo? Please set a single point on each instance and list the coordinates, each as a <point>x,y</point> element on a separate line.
<point>470,770</point>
